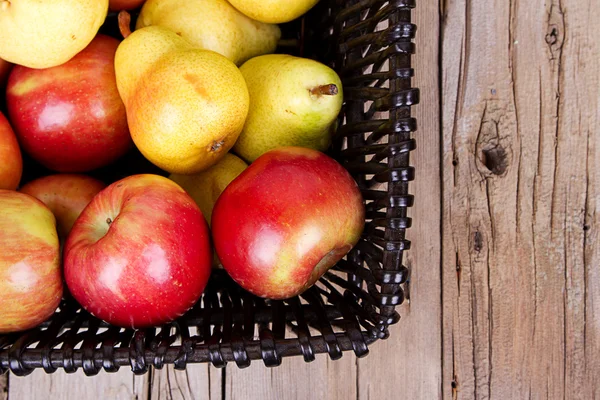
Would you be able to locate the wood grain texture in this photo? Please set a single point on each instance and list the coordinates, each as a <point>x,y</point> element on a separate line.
<point>122,385</point>
<point>198,381</point>
<point>294,379</point>
<point>521,288</point>
<point>408,364</point>
<point>4,387</point>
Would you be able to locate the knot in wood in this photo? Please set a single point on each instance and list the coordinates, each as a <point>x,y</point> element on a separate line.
<point>493,142</point>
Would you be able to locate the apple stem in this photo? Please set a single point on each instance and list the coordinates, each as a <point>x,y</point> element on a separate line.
<point>325,90</point>
<point>108,221</point>
<point>125,23</point>
<point>4,5</point>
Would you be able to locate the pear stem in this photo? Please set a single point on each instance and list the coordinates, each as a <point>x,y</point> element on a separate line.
<point>4,5</point>
<point>325,90</point>
<point>125,23</point>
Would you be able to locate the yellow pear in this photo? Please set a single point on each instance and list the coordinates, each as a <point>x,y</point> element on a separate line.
<point>274,11</point>
<point>206,187</point>
<point>185,107</point>
<point>44,34</point>
<point>140,51</point>
<point>212,25</point>
<point>293,102</point>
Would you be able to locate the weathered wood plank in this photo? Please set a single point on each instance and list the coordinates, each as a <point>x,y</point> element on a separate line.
<point>3,387</point>
<point>408,364</point>
<point>198,381</point>
<point>520,83</point>
<point>294,379</point>
<point>61,386</point>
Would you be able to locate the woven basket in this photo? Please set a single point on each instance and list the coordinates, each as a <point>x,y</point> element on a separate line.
<point>369,43</point>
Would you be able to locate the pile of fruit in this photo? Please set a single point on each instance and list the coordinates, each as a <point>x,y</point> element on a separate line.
<point>238,131</point>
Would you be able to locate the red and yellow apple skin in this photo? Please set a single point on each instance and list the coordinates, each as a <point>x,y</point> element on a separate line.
<point>287,219</point>
<point>30,276</point>
<point>118,5</point>
<point>66,195</point>
<point>5,67</point>
<point>70,118</point>
<point>139,254</point>
<point>11,163</point>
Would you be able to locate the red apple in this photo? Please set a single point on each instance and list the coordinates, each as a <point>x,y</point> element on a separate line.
<point>11,163</point>
<point>30,278</point>
<point>118,5</point>
<point>71,118</point>
<point>139,254</point>
<point>287,219</point>
<point>66,195</point>
<point>5,67</point>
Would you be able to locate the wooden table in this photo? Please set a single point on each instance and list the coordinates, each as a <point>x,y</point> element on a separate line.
<point>505,288</point>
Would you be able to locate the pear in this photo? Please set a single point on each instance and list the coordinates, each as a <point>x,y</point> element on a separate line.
<point>293,102</point>
<point>274,11</point>
<point>206,187</point>
<point>212,25</point>
<point>139,52</point>
<point>44,34</point>
<point>185,107</point>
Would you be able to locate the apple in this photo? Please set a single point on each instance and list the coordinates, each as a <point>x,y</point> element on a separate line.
<point>118,5</point>
<point>139,254</point>
<point>284,221</point>
<point>30,278</point>
<point>11,163</point>
<point>5,67</point>
<point>70,118</point>
<point>66,195</point>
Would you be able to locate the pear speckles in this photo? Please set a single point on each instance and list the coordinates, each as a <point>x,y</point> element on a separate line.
<point>197,84</point>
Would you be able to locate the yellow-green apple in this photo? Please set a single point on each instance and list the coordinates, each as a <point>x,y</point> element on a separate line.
<point>139,254</point>
<point>118,5</point>
<point>66,195</point>
<point>288,218</point>
<point>30,277</point>
<point>11,163</point>
<point>71,118</point>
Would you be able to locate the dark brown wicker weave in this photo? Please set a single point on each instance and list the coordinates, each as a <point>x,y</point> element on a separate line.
<point>353,304</point>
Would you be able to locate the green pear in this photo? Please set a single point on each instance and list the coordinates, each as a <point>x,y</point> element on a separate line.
<point>212,25</point>
<point>185,106</point>
<point>293,102</point>
<point>274,11</point>
<point>44,34</point>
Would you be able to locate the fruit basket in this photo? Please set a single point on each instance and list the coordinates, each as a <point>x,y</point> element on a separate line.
<point>369,43</point>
